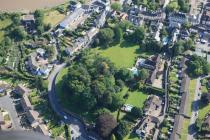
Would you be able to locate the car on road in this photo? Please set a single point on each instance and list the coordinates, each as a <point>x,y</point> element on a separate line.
<point>199,94</point>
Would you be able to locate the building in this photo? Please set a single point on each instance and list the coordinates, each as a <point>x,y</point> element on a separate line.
<point>176,19</point>
<point>153,106</point>
<point>205,18</point>
<point>73,20</point>
<point>75,5</point>
<point>101,19</point>
<point>147,127</point>
<point>38,64</point>
<point>20,89</point>
<point>33,116</point>
<point>28,21</point>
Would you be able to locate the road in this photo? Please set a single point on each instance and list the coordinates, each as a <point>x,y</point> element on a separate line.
<point>195,108</point>
<point>76,126</point>
<point>7,103</point>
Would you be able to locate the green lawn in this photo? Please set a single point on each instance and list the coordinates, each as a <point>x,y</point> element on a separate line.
<point>53,17</point>
<point>203,110</point>
<point>3,24</point>
<point>136,98</point>
<point>122,55</point>
<point>186,122</point>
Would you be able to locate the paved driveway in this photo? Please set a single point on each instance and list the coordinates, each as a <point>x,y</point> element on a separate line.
<point>7,103</point>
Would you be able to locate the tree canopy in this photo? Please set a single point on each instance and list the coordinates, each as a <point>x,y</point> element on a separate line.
<point>105,125</point>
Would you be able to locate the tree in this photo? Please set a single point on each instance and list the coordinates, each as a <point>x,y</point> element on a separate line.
<point>106,36</point>
<point>124,74</point>
<point>87,101</point>
<point>143,74</point>
<point>117,102</point>
<point>116,6</point>
<point>187,25</point>
<point>78,79</point>
<point>137,112</point>
<point>172,6</point>
<point>205,98</point>
<point>139,35</point>
<point>18,33</point>
<point>198,124</point>
<point>113,137</point>
<point>105,124</point>
<point>118,34</point>
<point>38,13</point>
<point>136,2</point>
<point>125,24</point>
<point>178,48</point>
<point>152,45</point>
<point>122,130</point>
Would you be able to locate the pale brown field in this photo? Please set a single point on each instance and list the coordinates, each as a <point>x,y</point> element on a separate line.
<point>27,5</point>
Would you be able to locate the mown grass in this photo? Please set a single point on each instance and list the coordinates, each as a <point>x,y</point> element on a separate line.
<point>186,122</point>
<point>53,17</point>
<point>122,55</point>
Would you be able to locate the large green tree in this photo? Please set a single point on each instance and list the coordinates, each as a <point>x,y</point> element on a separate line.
<point>106,36</point>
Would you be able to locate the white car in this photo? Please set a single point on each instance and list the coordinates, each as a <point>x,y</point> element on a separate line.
<point>65,117</point>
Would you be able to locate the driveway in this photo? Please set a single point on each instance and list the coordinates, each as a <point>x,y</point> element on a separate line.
<point>7,103</point>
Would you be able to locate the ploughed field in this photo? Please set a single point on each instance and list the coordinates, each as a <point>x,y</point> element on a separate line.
<point>27,5</point>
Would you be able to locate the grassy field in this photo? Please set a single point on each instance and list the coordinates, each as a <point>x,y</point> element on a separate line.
<point>186,122</point>
<point>3,24</point>
<point>53,17</point>
<point>122,55</point>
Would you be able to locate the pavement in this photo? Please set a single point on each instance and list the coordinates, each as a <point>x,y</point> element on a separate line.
<point>7,103</point>
<point>195,106</point>
<point>76,126</point>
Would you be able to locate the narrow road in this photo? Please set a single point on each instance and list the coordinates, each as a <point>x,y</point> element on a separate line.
<point>195,108</point>
<point>76,126</point>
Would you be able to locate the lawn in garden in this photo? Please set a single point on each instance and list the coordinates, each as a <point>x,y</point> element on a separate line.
<point>122,55</point>
<point>53,17</point>
<point>4,24</point>
<point>186,122</point>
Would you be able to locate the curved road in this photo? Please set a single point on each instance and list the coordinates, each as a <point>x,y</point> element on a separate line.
<point>76,126</point>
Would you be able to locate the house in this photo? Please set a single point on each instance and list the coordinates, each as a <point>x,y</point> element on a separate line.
<point>101,19</point>
<point>75,5</point>
<point>92,33</point>
<point>28,21</point>
<point>25,103</point>
<point>127,108</point>
<point>205,18</point>
<point>177,129</point>
<point>194,19</point>
<point>156,27</point>
<point>20,89</point>
<point>153,106</point>
<point>207,121</point>
<point>147,127</point>
<point>33,116</point>
<point>37,64</point>
<point>72,20</point>
<point>40,52</point>
<point>176,19</point>
<point>184,34</point>
<point>175,34</point>
<point>152,64</point>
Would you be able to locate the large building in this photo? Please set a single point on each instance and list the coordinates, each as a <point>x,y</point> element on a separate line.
<point>73,20</point>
